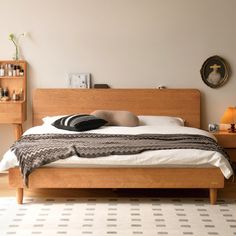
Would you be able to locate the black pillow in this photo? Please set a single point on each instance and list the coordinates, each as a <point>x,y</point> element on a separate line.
<point>79,122</point>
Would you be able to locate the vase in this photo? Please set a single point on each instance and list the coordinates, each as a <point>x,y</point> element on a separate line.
<point>16,54</point>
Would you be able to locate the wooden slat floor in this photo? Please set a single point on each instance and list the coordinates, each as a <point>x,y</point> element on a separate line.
<point>228,192</point>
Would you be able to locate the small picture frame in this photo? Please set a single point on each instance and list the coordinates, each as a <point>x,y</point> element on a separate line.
<point>215,72</point>
<point>79,80</point>
<point>213,127</point>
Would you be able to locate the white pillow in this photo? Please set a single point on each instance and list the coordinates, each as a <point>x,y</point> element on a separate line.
<point>161,120</point>
<point>48,120</point>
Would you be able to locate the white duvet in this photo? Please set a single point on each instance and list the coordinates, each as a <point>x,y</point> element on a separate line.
<point>159,158</point>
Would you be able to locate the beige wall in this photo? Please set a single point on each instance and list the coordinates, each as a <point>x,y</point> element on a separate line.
<point>125,43</point>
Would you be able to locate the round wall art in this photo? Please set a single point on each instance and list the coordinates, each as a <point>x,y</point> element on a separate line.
<point>215,72</point>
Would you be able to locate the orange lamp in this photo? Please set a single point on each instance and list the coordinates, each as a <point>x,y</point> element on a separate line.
<point>229,117</point>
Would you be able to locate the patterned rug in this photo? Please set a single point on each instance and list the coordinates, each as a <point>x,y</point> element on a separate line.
<point>117,216</point>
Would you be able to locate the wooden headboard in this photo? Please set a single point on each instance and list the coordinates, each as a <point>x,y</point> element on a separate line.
<point>184,103</point>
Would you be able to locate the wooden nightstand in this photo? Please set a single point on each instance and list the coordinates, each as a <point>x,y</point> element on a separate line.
<point>228,142</point>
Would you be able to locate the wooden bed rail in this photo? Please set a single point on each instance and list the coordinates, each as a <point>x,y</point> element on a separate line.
<point>120,178</point>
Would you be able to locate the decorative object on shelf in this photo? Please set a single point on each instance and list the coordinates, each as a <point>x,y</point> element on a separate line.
<point>102,86</point>
<point>213,127</point>
<point>15,40</point>
<point>2,70</point>
<point>229,117</point>
<point>79,80</point>
<point>11,70</point>
<point>15,96</point>
<point>5,98</point>
<point>4,94</point>
<point>161,87</point>
<point>215,72</point>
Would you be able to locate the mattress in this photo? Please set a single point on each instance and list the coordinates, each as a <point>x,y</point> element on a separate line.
<point>159,158</point>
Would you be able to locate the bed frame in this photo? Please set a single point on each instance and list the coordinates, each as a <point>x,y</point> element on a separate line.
<point>184,103</point>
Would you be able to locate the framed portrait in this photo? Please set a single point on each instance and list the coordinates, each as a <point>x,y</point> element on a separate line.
<point>215,72</point>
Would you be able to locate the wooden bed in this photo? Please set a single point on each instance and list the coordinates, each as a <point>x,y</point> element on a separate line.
<point>184,103</point>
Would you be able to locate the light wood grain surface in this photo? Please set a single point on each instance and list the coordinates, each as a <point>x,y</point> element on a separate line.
<point>184,103</point>
<point>229,191</point>
<point>120,178</point>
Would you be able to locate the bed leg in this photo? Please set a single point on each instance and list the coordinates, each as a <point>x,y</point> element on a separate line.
<point>19,195</point>
<point>213,196</point>
<point>18,131</point>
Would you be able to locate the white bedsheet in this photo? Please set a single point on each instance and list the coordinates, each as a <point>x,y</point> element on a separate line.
<point>159,158</point>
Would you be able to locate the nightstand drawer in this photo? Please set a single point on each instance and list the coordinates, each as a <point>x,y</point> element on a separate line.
<point>13,112</point>
<point>232,153</point>
<point>226,140</point>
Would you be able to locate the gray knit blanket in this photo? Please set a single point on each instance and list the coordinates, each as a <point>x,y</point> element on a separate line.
<point>36,150</point>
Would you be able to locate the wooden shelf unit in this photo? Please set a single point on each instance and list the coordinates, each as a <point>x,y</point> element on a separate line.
<point>14,112</point>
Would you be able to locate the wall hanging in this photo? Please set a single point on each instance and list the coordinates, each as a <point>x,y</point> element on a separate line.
<point>215,72</point>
